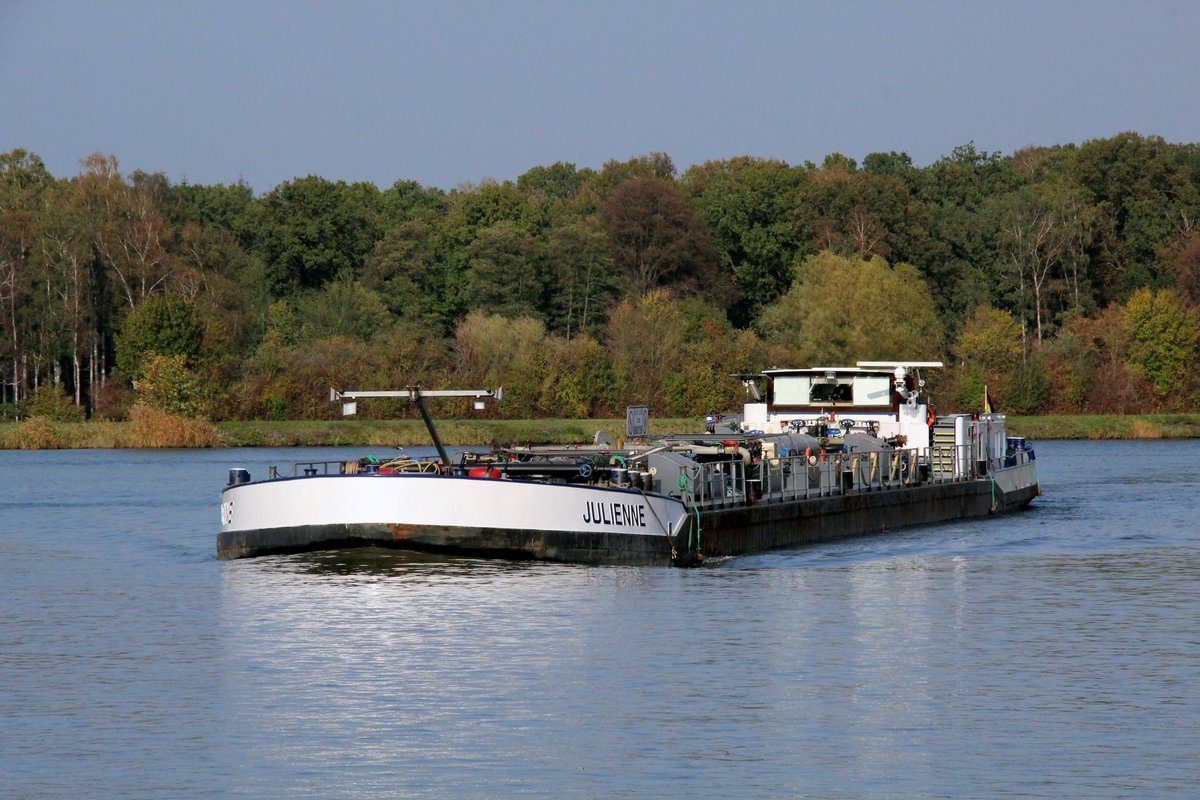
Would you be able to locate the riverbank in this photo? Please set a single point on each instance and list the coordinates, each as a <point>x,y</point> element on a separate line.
<point>40,434</point>
<point>1089,427</point>
<point>43,434</point>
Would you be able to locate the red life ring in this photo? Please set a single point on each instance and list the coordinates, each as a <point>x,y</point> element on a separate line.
<point>930,416</point>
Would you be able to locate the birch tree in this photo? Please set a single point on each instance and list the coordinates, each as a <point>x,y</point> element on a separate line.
<point>128,231</point>
<point>1041,233</point>
<point>23,182</point>
<point>67,277</point>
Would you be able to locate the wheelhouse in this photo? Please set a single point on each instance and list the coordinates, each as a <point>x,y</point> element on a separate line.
<point>883,397</point>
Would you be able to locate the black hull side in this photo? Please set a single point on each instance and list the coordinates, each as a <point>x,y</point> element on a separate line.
<point>758,528</point>
<point>724,532</point>
<point>565,546</point>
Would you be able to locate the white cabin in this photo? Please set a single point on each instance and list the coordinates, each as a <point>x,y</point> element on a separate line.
<point>883,397</point>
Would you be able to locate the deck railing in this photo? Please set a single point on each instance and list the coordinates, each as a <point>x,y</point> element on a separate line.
<point>735,483</point>
<point>730,483</point>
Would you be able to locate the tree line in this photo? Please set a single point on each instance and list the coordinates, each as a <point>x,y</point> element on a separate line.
<point>1064,279</point>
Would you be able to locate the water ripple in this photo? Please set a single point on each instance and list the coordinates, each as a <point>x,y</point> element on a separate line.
<point>1045,654</point>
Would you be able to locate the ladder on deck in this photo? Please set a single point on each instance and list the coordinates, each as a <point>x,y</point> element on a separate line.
<point>942,448</point>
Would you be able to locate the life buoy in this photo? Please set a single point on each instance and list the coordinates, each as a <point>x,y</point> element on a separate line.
<point>930,416</point>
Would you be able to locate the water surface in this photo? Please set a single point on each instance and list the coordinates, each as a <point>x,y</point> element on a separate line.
<point>1050,653</point>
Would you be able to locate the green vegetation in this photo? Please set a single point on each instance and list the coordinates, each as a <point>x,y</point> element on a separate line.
<point>1146,426</point>
<point>1062,280</point>
<point>151,428</point>
<point>161,430</point>
<point>157,429</point>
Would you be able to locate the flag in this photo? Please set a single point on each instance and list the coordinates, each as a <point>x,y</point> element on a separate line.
<point>987,401</point>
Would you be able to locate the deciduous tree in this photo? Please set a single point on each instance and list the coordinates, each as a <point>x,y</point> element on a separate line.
<point>24,182</point>
<point>342,307</point>
<point>165,326</point>
<point>128,231</point>
<point>411,276</point>
<point>840,310</point>
<point>658,239</point>
<point>1042,232</point>
<point>584,283</point>
<point>748,204</point>
<point>505,272</point>
<point>1165,334</point>
<point>309,230</point>
<point>645,338</point>
<point>69,281</point>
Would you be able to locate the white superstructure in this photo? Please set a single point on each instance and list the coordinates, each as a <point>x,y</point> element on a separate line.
<point>884,398</point>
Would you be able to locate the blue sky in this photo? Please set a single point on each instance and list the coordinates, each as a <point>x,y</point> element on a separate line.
<point>448,93</point>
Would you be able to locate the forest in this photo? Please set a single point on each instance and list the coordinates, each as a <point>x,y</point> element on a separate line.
<point>1065,279</point>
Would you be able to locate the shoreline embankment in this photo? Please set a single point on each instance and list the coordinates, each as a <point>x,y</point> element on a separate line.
<point>44,434</point>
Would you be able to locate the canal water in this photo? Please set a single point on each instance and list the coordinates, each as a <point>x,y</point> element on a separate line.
<point>1053,653</point>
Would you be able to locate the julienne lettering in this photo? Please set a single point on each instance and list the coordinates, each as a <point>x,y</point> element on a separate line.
<point>615,514</point>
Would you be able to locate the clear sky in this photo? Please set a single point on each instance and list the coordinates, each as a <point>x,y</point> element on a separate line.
<point>446,93</point>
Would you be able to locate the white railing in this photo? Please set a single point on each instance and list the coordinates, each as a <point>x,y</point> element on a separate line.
<point>734,483</point>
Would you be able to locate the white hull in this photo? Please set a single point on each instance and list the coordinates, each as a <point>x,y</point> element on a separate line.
<point>443,512</point>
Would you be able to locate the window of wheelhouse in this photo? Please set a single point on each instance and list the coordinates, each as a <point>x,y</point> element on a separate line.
<point>790,390</point>
<point>836,391</point>
<point>830,390</point>
<point>872,390</point>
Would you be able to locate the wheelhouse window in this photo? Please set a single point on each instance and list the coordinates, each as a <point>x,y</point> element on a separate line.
<point>831,389</point>
<point>823,392</point>
<point>791,390</point>
<point>872,390</point>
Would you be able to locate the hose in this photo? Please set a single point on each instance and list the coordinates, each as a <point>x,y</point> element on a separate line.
<point>690,505</point>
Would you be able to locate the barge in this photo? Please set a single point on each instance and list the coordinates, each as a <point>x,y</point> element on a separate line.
<point>818,454</point>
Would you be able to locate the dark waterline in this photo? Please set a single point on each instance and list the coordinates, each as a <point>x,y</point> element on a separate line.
<point>1048,654</point>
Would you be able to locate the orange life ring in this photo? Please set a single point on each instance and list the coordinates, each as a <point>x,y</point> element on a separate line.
<point>930,416</point>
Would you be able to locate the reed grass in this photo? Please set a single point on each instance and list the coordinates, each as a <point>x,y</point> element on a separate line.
<point>154,428</point>
<point>36,433</point>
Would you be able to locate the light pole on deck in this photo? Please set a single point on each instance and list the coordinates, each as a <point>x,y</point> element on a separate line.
<point>417,395</point>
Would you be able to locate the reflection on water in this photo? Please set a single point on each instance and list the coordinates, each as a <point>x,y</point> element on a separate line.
<point>384,562</point>
<point>907,676</point>
<point>1048,654</point>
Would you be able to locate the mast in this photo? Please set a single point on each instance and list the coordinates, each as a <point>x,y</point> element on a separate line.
<point>416,394</point>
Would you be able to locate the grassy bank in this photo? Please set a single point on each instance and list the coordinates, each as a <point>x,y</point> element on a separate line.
<point>1141,426</point>
<point>388,433</point>
<point>42,434</point>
